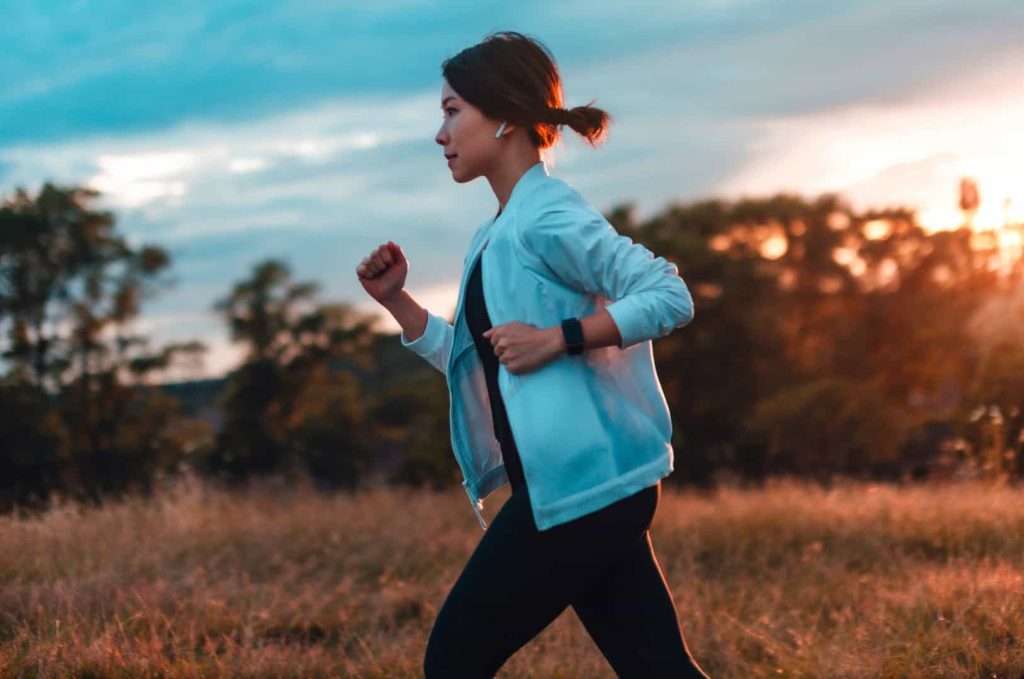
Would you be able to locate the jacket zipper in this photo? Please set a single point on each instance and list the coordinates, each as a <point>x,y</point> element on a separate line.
<point>477,505</point>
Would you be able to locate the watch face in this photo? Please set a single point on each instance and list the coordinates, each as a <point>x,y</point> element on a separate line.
<point>572,330</point>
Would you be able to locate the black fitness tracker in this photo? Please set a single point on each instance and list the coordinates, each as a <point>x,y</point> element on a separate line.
<point>572,331</point>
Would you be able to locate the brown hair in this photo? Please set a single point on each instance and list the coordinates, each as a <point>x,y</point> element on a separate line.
<point>510,76</point>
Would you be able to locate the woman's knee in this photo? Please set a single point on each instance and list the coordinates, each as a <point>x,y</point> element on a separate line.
<point>448,660</point>
<point>439,656</point>
<point>434,661</point>
<point>456,653</point>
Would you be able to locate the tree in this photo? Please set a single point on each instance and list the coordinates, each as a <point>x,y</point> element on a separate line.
<point>68,282</point>
<point>829,426</point>
<point>286,407</point>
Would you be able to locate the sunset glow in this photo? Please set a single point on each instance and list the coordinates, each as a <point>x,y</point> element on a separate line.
<point>912,151</point>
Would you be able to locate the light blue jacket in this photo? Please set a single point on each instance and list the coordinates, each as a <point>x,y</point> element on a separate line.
<point>590,429</point>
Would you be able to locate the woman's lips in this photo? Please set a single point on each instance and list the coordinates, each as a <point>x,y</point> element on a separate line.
<point>450,160</point>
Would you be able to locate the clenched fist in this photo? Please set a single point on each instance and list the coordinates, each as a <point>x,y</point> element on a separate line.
<point>383,272</point>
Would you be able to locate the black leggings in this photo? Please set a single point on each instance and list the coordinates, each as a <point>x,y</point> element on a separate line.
<point>519,579</point>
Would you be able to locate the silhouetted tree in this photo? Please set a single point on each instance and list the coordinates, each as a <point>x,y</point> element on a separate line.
<point>287,408</point>
<point>67,282</point>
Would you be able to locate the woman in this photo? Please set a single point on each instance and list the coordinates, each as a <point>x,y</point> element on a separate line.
<point>552,383</point>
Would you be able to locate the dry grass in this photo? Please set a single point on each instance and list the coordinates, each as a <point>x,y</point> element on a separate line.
<point>792,581</point>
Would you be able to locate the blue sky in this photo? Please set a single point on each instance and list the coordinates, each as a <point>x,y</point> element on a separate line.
<point>234,131</point>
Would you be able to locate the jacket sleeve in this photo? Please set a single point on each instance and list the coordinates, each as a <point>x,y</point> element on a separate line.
<point>578,246</point>
<point>435,344</point>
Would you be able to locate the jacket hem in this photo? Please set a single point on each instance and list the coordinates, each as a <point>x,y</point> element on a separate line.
<point>593,499</point>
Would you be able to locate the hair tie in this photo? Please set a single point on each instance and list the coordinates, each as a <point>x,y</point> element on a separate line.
<point>558,115</point>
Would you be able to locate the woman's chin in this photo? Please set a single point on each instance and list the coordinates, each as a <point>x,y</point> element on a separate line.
<point>459,178</point>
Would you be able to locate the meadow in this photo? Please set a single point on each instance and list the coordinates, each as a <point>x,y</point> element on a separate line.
<point>790,580</point>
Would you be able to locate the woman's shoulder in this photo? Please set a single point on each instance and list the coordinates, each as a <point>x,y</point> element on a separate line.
<point>553,193</point>
<point>555,210</point>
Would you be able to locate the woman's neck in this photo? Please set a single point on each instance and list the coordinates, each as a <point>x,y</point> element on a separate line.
<point>504,179</point>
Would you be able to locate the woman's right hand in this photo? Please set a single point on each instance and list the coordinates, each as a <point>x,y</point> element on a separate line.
<point>383,272</point>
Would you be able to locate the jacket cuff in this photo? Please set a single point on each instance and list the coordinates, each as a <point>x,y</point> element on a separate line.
<point>650,314</point>
<point>432,339</point>
<point>629,319</point>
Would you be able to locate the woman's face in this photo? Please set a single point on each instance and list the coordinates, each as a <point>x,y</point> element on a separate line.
<point>468,135</point>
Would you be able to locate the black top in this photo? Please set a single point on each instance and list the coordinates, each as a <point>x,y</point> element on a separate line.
<point>479,322</point>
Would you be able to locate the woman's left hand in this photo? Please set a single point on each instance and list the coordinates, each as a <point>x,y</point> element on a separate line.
<point>523,348</point>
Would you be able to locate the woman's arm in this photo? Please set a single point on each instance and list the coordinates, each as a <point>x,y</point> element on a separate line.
<point>578,246</point>
<point>382,274</point>
<point>599,330</point>
<point>424,333</point>
<point>522,347</point>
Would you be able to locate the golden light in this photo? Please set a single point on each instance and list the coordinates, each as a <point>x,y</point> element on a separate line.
<point>837,221</point>
<point>843,256</point>
<point>942,274</point>
<point>708,290</point>
<point>995,231</point>
<point>852,242</point>
<point>1008,250</point>
<point>984,240</point>
<point>914,151</point>
<point>858,266</point>
<point>720,242</point>
<point>877,229</point>
<point>1009,239</point>
<point>882,274</point>
<point>940,219</point>
<point>849,258</point>
<point>774,246</point>
<point>994,201</point>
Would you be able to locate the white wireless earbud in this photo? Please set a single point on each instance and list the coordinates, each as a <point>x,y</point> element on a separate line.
<point>500,130</point>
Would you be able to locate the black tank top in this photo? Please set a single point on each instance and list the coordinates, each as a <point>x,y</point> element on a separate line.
<point>479,322</point>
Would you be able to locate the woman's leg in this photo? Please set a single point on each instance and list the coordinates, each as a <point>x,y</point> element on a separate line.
<point>518,580</point>
<point>507,593</point>
<point>629,612</point>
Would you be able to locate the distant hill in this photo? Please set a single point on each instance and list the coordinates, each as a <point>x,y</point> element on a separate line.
<point>199,398</point>
<point>393,363</point>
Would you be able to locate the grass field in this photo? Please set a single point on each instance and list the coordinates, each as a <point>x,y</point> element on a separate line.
<point>789,581</point>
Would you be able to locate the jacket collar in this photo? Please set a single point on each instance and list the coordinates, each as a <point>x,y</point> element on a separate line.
<point>533,176</point>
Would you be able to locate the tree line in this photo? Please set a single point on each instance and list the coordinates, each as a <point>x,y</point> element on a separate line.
<point>826,342</point>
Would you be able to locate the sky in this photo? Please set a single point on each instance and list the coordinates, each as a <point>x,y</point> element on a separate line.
<point>231,132</point>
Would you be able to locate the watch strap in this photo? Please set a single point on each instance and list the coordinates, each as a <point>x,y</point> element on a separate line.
<point>572,331</point>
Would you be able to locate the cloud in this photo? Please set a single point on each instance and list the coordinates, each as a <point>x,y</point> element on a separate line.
<point>913,151</point>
